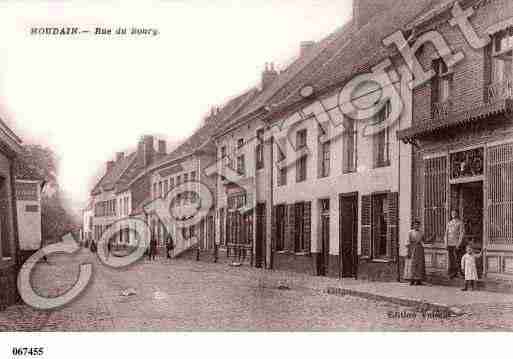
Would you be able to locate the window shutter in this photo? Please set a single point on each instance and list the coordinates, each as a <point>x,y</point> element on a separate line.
<point>393,223</point>
<point>434,85</point>
<point>366,226</point>
<point>307,215</point>
<point>290,233</point>
<point>487,71</point>
<point>274,226</point>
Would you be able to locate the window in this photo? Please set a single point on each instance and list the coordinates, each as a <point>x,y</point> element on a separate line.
<point>193,176</point>
<point>241,165</point>
<point>381,140</point>
<point>260,149</point>
<point>223,152</point>
<point>282,171</point>
<point>444,80</point>
<point>349,143</point>
<point>5,220</point>
<point>160,189</point>
<point>501,56</point>
<point>380,225</point>
<point>301,169</point>
<point>186,177</point>
<point>280,227</point>
<point>300,237</point>
<point>166,187</point>
<point>154,190</point>
<point>171,183</point>
<point>178,180</point>
<point>325,159</point>
<point>301,139</point>
<point>240,142</point>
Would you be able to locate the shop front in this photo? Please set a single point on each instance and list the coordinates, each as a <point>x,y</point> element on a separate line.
<point>468,169</point>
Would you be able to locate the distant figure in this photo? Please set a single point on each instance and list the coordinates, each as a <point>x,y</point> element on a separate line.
<point>169,246</point>
<point>455,246</point>
<point>153,248</point>
<point>416,254</point>
<point>468,266</point>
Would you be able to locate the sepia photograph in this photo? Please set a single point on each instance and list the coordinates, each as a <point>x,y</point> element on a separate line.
<point>224,166</point>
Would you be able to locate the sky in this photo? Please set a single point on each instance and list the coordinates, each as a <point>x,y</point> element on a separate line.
<point>88,96</point>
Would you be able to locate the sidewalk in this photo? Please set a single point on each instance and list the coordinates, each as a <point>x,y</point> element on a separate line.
<point>428,296</point>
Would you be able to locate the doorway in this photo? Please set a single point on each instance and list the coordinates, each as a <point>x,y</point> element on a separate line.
<point>323,263</point>
<point>467,199</point>
<point>260,236</point>
<point>348,230</point>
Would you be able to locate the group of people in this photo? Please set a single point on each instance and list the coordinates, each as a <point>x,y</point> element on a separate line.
<point>462,258</point>
<point>152,250</point>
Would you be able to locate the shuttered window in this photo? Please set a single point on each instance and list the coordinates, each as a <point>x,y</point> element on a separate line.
<point>435,199</point>
<point>500,194</point>
<point>380,222</point>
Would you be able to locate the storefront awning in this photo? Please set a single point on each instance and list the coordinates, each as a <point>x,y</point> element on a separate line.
<point>456,119</point>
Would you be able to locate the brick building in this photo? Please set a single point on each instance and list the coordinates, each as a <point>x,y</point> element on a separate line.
<point>462,135</point>
<point>183,169</point>
<point>10,147</point>
<point>123,189</point>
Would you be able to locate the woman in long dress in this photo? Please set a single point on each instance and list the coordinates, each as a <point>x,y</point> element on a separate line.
<point>416,254</point>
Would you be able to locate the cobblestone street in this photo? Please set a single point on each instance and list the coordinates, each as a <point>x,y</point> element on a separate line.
<point>187,295</point>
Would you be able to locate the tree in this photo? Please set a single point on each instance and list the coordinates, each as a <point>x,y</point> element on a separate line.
<point>38,162</point>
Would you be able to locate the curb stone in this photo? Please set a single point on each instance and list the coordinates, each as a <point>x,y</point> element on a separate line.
<point>418,304</point>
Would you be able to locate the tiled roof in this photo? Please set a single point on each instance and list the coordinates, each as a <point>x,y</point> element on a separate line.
<point>363,51</point>
<point>110,179</point>
<point>202,135</point>
<point>289,77</point>
<point>25,172</point>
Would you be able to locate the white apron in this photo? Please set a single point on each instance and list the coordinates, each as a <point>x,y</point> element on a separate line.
<point>468,266</point>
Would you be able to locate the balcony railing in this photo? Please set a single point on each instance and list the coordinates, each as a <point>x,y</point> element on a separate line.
<point>441,110</point>
<point>500,90</point>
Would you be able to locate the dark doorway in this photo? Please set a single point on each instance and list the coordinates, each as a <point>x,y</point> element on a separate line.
<point>260,236</point>
<point>467,200</point>
<point>323,263</point>
<point>348,234</point>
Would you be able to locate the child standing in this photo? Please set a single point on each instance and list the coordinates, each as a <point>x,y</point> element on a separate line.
<point>469,268</point>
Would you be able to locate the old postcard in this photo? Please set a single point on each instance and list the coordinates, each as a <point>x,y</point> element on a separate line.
<point>265,166</point>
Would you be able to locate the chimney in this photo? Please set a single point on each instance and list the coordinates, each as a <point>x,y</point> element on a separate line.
<point>162,147</point>
<point>268,75</point>
<point>120,156</point>
<point>145,151</point>
<point>305,47</point>
<point>365,10</point>
<point>110,165</point>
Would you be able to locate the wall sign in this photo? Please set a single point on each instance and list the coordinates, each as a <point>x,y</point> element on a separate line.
<point>467,163</point>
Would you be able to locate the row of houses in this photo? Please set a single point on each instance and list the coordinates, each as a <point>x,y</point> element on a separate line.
<point>300,185</point>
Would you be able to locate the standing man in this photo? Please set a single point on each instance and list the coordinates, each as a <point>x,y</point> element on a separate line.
<point>454,238</point>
